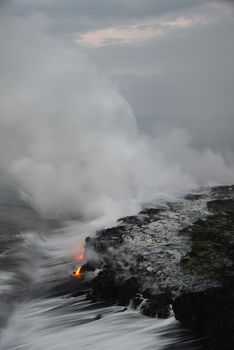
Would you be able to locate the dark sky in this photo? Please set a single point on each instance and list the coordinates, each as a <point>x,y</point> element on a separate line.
<point>171,59</point>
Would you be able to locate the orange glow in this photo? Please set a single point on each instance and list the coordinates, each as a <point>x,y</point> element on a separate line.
<point>79,257</point>
<point>77,272</point>
<point>79,252</point>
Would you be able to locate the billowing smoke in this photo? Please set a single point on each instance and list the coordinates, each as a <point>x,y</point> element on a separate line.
<point>69,140</point>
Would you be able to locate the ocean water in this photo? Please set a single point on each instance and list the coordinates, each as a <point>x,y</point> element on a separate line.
<point>36,256</point>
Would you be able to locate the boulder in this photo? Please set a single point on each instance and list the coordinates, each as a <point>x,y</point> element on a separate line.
<point>158,306</point>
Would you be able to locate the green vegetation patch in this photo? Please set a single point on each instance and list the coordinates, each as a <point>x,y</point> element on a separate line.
<point>212,243</point>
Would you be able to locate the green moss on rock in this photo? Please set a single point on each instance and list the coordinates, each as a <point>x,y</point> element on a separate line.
<point>212,243</point>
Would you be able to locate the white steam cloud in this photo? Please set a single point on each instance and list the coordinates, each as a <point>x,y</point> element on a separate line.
<point>69,140</point>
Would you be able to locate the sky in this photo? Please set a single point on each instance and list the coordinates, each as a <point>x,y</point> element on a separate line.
<point>171,59</point>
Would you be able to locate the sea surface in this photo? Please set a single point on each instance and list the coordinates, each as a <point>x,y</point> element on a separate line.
<point>35,256</point>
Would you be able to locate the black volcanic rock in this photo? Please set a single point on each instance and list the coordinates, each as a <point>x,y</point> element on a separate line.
<point>107,286</point>
<point>89,266</point>
<point>137,300</point>
<point>208,314</point>
<point>181,255</point>
<point>128,290</point>
<point>158,306</point>
<point>131,220</point>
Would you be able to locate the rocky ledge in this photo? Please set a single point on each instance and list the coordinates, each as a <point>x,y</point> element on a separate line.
<point>174,258</point>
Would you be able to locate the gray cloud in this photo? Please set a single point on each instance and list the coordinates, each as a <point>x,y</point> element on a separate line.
<point>105,8</point>
<point>183,79</point>
<point>3,2</point>
<point>78,15</point>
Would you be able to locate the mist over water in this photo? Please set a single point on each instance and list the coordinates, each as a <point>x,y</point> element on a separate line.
<point>69,140</point>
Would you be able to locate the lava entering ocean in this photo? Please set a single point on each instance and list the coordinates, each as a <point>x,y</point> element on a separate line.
<point>79,256</point>
<point>77,272</point>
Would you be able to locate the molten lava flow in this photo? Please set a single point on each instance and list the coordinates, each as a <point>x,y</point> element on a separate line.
<point>79,256</point>
<point>77,272</point>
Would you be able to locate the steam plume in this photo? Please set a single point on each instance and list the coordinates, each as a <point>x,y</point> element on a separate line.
<point>69,140</point>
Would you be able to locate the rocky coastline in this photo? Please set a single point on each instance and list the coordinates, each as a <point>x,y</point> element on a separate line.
<point>175,259</point>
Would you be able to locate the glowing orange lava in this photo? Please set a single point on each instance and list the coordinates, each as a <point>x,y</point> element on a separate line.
<point>77,272</point>
<point>79,257</point>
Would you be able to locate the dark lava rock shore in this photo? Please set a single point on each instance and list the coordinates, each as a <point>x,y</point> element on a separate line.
<point>174,259</point>
<point>211,313</point>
